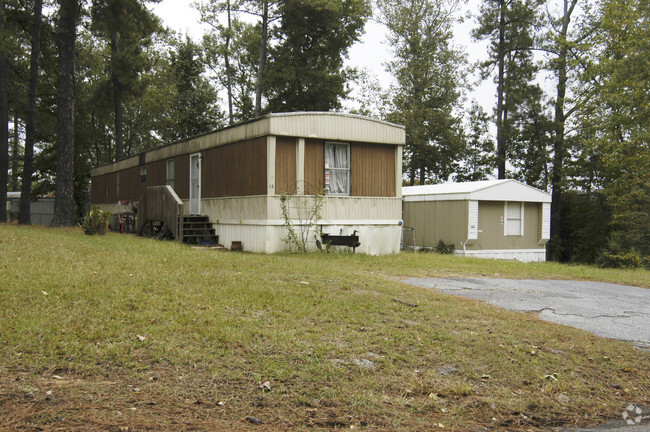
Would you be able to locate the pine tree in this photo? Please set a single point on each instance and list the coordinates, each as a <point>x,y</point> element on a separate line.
<point>193,109</point>
<point>620,113</point>
<point>64,203</point>
<point>430,77</point>
<point>128,26</point>
<point>30,127</point>
<point>509,25</point>
<point>4,122</point>
<point>478,159</point>
<point>306,71</point>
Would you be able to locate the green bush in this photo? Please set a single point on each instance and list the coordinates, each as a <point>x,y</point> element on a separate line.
<point>96,222</point>
<point>444,248</point>
<point>619,259</point>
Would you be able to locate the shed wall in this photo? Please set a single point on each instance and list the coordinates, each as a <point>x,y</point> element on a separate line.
<point>491,230</point>
<point>437,220</point>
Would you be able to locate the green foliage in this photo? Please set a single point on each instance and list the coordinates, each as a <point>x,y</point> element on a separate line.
<point>509,27</point>
<point>615,123</point>
<point>584,242</point>
<point>306,70</point>
<point>127,26</point>
<point>300,214</point>
<point>478,159</point>
<point>444,248</point>
<point>243,55</point>
<point>192,110</point>
<point>430,78</point>
<point>96,222</point>
<point>623,260</point>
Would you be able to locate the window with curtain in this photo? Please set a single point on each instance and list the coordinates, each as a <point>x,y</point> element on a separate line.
<point>514,219</point>
<point>337,168</point>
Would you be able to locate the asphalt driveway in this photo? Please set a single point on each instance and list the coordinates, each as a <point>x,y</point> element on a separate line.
<point>607,310</point>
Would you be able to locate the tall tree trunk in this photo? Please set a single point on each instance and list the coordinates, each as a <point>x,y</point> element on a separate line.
<point>228,68</point>
<point>501,145</point>
<point>117,99</point>
<point>15,156</point>
<point>559,150</point>
<point>30,126</point>
<point>262,63</point>
<point>4,127</point>
<point>64,204</point>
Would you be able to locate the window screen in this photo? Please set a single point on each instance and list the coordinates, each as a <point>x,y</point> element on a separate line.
<point>337,168</point>
<point>514,220</point>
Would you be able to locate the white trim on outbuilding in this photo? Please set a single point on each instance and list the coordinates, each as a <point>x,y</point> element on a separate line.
<point>485,190</point>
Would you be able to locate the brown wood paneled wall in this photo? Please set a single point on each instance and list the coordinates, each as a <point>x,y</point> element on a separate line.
<point>285,165</point>
<point>182,176</point>
<point>234,170</point>
<point>240,169</point>
<point>372,170</point>
<point>314,165</point>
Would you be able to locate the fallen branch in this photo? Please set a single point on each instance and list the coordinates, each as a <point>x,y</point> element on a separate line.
<point>405,303</point>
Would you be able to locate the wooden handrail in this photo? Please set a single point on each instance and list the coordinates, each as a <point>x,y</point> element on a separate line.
<point>160,203</point>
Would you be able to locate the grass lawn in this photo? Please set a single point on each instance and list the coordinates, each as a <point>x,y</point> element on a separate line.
<point>120,333</point>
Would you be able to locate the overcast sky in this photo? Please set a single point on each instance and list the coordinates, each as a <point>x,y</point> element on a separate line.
<point>371,53</point>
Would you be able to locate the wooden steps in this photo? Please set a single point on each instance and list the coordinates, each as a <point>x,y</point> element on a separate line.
<point>198,230</point>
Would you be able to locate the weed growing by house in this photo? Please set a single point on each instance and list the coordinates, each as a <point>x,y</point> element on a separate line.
<point>444,248</point>
<point>300,214</point>
<point>96,222</point>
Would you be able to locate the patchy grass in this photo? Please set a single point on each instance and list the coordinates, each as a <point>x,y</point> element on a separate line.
<point>121,333</point>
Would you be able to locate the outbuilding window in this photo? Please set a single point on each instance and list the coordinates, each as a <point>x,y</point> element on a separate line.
<point>337,168</point>
<point>514,219</point>
<point>143,174</point>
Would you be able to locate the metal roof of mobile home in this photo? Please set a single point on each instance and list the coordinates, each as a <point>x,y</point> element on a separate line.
<point>317,125</point>
<point>485,190</point>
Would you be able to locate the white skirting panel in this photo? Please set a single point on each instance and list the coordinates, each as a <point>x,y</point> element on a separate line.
<point>375,239</point>
<point>524,255</point>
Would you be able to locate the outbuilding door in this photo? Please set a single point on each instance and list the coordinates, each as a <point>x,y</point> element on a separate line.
<point>195,183</point>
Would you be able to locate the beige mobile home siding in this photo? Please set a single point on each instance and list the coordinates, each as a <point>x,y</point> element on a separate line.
<point>491,237</point>
<point>437,220</point>
<point>285,165</point>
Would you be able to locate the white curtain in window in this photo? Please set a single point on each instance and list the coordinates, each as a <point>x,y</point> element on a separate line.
<point>337,169</point>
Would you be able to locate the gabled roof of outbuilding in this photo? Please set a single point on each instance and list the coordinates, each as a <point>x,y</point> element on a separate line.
<point>485,190</point>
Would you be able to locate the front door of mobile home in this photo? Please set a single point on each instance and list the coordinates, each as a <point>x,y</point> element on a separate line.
<point>195,183</point>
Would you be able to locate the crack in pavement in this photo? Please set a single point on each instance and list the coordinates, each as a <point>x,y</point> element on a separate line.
<point>617,311</point>
<point>539,311</point>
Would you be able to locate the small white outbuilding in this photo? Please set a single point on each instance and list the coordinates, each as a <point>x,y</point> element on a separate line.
<point>502,219</point>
